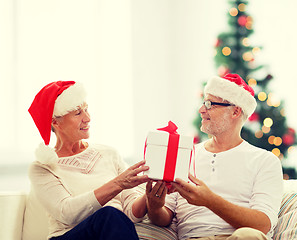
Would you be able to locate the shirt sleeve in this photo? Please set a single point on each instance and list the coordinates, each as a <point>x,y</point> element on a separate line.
<point>128,197</point>
<point>171,201</point>
<point>57,200</point>
<point>268,188</point>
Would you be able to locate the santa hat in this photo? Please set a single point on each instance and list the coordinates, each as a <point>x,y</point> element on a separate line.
<point>233,89</point>
<point>55,99</point>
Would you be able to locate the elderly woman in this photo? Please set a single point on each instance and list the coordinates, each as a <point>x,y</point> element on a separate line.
<point>84,188</point>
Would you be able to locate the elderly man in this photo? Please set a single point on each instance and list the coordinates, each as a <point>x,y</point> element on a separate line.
<point>238,189</point>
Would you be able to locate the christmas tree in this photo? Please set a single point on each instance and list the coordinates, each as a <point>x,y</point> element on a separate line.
<point>267,127</point>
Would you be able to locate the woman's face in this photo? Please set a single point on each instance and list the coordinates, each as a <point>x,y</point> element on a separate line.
<point>74,126</point>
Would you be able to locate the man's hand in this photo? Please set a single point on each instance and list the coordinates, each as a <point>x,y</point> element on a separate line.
<point>157,212</point>
<point>198,194</point>
<point>156,195</point>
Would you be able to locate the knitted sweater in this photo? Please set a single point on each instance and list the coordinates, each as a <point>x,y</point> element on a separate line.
<point>65,186</point>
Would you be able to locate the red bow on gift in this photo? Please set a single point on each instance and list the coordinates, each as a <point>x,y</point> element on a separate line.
<point>171,128</point>
<point>172,149</point>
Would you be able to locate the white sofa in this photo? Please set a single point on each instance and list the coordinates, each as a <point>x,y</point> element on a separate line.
<point>23,218</point>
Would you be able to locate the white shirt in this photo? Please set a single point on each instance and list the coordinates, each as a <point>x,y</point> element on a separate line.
<point>245,175</point>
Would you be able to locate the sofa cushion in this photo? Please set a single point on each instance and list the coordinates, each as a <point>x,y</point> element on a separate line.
<point>12,206</point>
<point>287,222</point>
<point>35,220</point>
<point>147,231</point>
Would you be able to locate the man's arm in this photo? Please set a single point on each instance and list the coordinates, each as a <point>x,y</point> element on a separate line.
<point>157,212</point>
<point>236,216</point>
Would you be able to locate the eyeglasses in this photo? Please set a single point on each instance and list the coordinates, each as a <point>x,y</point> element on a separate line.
<point>208,104</point>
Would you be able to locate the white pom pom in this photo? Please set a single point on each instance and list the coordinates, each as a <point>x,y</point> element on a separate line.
<point>46,155</point>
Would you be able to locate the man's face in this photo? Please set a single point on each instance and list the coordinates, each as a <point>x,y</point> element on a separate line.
<point>217,119</point>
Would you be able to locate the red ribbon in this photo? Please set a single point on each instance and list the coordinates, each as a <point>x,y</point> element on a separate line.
<point>172,149</point>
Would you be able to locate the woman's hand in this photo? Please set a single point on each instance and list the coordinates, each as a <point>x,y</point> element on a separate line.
<point>130,178</point>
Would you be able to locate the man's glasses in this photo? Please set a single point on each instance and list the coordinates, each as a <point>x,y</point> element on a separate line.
<point>208,104</point>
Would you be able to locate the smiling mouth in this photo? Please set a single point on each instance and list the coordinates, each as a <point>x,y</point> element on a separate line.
<point>85,128</point>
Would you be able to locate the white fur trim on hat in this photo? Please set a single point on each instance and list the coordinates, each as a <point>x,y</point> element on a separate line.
<point>232,93</point>
<point>46,155</point>
<point>69,99</point>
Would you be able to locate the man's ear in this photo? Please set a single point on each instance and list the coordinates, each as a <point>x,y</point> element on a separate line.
<point>237,112</point>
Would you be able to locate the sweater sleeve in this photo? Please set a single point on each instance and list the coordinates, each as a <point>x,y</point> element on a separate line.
<point>57,200</point>
<point>128,196</point>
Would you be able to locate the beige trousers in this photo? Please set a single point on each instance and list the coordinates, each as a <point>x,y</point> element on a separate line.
<point>240,234</point>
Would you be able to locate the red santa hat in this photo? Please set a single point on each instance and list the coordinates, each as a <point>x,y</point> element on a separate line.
<point>233,89</point>
<point>55,99</point>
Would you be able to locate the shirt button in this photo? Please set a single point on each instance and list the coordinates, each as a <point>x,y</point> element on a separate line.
<point>212,161</point>
<point>213,169</point>
<point>214,155</point>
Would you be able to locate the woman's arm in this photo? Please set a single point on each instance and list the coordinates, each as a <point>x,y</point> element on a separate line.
<point>69,209</point>
<point>57,199</point>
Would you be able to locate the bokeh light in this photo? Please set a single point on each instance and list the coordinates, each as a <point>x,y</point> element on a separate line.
<point>256,50</point>
<point>271,139</point>
<point>262,96</point>
<point>268,122</point>
<point>259,134</point>
<point>265,129</point>
<point>233,12</point>
<point>252,82</point>
<point>277,141</point>
<point>226,51</point>
<point>241,7</point>
<point>246,42</point>
<point>247,56</point>
<point>276,152</point>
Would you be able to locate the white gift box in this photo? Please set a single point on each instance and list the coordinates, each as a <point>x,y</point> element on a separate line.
<point>162,168</point>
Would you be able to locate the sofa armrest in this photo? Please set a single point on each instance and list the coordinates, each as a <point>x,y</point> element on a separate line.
<point>12,207</point>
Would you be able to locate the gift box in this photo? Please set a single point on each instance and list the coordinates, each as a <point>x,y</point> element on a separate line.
<point>168,154</point>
